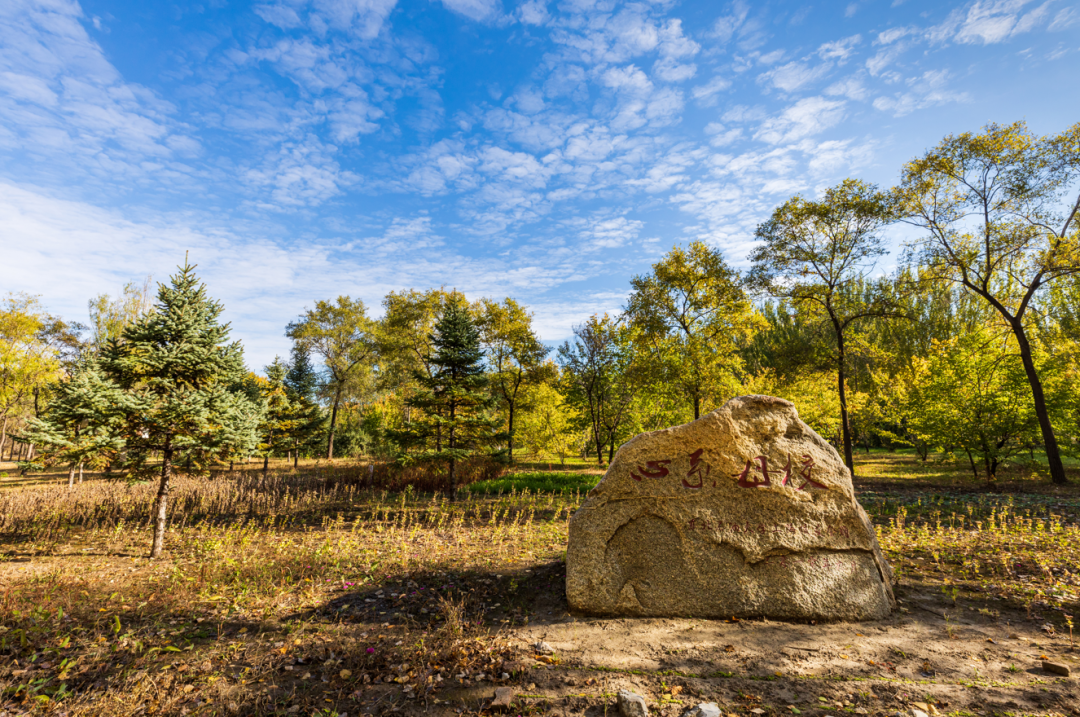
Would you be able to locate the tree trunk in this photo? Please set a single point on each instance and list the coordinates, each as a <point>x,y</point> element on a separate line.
<point>1053,456</point>
<point>971,460</point>
<point>697,406</point>
<point>266,465</point>
<point>451,446</point>
<point>333,424</point>
<point>845,428</point>
<point>80,473</point>
<point>611,450</point>
<point>510,439</point>
<point>296,457</point>
<point>71,476</point>
<point>161,505</point>
<point>599,438</point>
<point>3,438</point>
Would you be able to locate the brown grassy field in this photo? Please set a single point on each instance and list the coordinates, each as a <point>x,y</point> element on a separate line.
<point>309,593</point>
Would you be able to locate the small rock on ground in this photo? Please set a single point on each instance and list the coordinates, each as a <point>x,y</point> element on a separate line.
<point>705,709</point>
<point>1056,668</point>
<point>632,705</point>
<point>542,648</point>
<point>503,697</point>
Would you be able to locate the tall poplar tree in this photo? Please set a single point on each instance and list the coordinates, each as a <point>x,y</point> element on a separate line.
<point>187,386</point>
<point>600,378</point>
<point>340,332</point>
<point>821,255</point>
<point>515,355</point>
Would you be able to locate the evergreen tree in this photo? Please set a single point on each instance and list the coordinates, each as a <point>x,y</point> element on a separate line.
<point>301,379</point>
<point>307,422</point>
<point>454,399</point>
<point>186,384</point>
<point>84,420</point>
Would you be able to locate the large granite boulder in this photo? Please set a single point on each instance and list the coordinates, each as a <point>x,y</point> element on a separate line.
<point>744,512</point>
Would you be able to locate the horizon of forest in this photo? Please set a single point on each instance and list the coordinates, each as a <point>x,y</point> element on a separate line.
<point>967,349</point>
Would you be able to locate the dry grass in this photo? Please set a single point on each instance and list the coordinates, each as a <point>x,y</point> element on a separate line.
<point>266,581</point>
<point>308,593</point>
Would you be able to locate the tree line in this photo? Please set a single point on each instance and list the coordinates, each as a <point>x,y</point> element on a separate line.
<point>968,347</point>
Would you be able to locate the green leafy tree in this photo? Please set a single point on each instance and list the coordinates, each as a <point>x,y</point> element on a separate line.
<point>599,378</point>
<point>999,211</point>
<point>548,426</point>
<point>820,255</point>
<point>28,361</point>
<point>109,316</point>
<point>515,356</point>
<point>186,386</point>
<point>970,393</point>
<point>691,316</point>
<point>454,402</point>
<point>339,332</point>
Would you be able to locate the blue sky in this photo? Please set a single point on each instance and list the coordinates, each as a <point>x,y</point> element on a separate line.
<point>301,149</point>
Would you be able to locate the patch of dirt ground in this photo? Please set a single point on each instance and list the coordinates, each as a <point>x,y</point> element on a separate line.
<point>930,654</point>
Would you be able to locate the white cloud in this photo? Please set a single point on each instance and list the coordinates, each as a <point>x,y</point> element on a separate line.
<point>296,175</point>
<point>1063,19</point>
<point>806,117</point>
<point>628,80</point>
<point>674,44</point>
<point>283,16</point>
<point>927,90</point>
<point>851,87</point>
<point>479,10</point>
<point>998,20</point>
<point>707,93</point>
<point>795,75</point>
<point>839,49</point>
<point>363,17</point>
<point>669,70</point>
<point>533,12</point>
<point>606,232</point>
<point>877,64</point>
<point>721,135</point>
<point>742,113</point>
<point>892,35</point>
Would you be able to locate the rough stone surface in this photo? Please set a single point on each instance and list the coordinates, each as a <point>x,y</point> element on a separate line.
<point>632,705</point>
<point>745,512</point>
<point>504,697</point>
<point>1056,668</point>
<point>705,709</point>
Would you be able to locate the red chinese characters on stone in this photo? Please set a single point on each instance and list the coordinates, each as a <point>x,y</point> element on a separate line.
<point>756,474</point>
<point>699,469</point>
<point>806,473</point>
<point>746,480</point>
<point>652,469</point>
